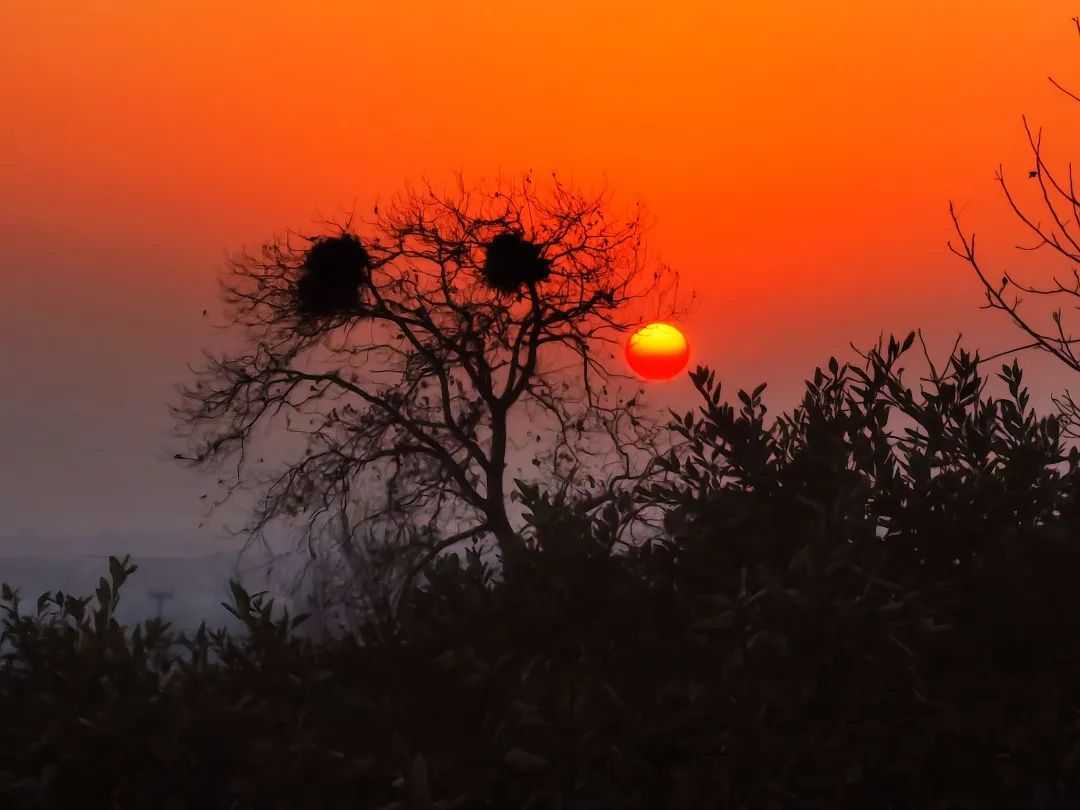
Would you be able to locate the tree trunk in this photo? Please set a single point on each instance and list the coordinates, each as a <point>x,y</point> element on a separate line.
<point>511,544</point>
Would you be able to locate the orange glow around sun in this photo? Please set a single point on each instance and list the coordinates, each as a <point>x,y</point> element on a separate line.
<point>658,351</point>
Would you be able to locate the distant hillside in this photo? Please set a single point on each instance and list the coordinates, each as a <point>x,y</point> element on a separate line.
<point>187,543</point>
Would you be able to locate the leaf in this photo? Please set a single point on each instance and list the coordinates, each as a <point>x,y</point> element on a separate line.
<point>104,588</point>
<point>240,596</point>
<point>723,621</point>
<point>733,663</point>
<point>716,599</point>
<point>116,571</point>
<point>801,560</point>
<point>525,762</point>
<point>419,790</point>
<point>164,749</point>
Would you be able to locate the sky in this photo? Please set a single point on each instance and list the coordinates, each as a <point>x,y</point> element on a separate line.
<point>798,159</point>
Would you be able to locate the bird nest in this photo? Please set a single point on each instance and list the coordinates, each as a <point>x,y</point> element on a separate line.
<point>334,269</point>
<point>512,260</point>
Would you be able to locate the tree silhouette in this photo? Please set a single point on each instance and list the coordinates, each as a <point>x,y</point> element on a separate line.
<point>1057,195</point>
<point>408,359</point>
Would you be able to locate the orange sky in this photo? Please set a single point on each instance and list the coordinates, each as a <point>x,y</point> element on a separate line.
<point>798,157</point>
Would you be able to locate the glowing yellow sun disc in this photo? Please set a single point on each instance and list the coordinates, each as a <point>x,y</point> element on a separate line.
<point>658,351</point>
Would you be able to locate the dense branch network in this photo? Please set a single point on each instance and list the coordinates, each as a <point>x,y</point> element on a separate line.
<point>406,403</point>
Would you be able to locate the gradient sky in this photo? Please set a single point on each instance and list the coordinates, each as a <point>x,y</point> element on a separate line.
<point>798,158</point>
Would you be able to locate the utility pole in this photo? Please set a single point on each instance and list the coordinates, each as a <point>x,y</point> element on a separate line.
<point>160,597</point>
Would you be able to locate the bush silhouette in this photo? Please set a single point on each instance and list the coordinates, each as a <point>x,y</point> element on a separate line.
<point>869,601</point>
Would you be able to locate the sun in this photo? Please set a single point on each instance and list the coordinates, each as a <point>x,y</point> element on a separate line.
<point>658,351</point>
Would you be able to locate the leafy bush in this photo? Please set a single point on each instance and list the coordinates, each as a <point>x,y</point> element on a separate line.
<point>866,602</point>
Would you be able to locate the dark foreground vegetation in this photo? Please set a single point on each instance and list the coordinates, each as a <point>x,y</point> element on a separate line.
<point>869,602</point>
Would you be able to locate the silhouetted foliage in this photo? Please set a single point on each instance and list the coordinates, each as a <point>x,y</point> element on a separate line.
<point>869,601</point>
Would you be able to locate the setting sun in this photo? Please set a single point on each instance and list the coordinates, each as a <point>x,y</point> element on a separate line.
<point>658,351</point>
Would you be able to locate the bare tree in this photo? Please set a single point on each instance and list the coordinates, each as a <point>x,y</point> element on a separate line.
<point>1057,230</point>
<point>409,357</point>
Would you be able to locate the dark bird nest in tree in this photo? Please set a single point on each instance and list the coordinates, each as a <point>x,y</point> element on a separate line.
<point>334,269</point>
<point>512,260</point>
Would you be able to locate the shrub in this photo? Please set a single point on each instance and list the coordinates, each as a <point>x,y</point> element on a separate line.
<point>868,601</point>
